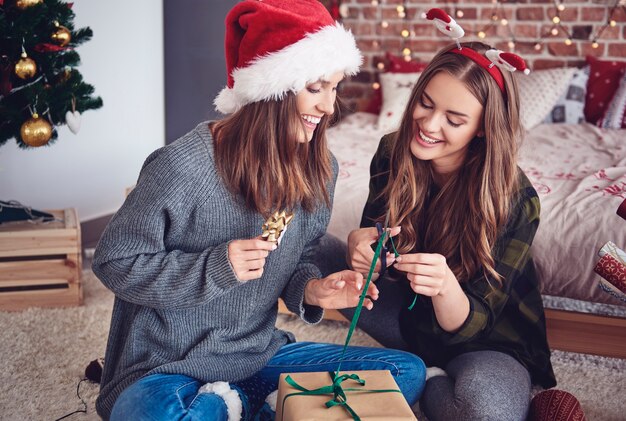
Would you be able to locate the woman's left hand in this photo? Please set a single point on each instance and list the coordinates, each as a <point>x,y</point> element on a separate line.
<point>428,273</point>
<point>339,290</point>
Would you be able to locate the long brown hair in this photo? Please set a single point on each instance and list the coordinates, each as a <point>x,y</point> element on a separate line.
<point>463,219</point>
<point>259,157</point>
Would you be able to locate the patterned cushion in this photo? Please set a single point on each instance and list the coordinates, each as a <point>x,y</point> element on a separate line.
<point>569,108</point>
<point>615,114</point>
<point>539,92</point>
<point>555,405</point>
<point>604,77</point>
<point>396,88</point>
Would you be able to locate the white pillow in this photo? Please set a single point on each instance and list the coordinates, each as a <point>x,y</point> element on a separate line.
<point>396,90</point>
<point>539,92</point>
<point>570,107</point>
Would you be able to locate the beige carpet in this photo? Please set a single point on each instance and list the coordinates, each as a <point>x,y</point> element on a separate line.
<point>44,352</point>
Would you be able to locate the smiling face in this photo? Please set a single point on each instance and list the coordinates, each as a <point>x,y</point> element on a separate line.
<point>314,102</point>
<point>446,119</point>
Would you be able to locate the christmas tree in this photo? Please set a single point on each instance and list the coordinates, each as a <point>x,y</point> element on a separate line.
<point>40,87</point>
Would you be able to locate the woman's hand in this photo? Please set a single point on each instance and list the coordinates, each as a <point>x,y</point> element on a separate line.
<point>339,290</point>
<point>428,273</point>
<point>247,257</point>
<point>360,253</point>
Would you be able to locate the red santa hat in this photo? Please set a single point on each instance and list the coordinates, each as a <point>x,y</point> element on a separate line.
<point>276,46</point>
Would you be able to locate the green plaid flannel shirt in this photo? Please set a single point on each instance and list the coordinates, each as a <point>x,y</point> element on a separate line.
<point>507,318</point>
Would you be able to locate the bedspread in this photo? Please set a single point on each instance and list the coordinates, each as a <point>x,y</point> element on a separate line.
<point>579,172</point>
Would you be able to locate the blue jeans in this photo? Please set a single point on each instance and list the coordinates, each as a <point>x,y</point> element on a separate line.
<point>175,397</point>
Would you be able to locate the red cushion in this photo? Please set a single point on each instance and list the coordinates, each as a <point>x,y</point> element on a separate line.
<point>555,405</point>
<point>397,64</point>
<point>393,64</point>
<point>375,103</point>
<point>604,78</point>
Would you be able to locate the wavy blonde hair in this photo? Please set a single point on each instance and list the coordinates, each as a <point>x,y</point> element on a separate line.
<point>463,219</point>
<point>259,157</point>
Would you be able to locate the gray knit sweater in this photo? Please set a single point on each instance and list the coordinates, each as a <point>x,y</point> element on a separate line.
<point>179,308</point>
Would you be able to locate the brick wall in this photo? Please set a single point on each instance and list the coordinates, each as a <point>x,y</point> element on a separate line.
<point>528,19</point>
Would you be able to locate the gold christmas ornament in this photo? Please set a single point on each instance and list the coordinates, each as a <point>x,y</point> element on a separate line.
<point>276,225</point>
<point>24,4</point>
<point>61,35</point>
<point>36,131</point>
<point>25,68</point>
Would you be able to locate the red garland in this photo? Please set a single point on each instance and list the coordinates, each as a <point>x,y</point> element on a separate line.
<point>49,48</point>
<point>69,5</point>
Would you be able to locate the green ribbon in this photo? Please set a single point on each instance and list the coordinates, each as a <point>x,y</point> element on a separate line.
<point>338,392</point>
<point>398,254</point>
<point>413,303</point>
<point>359,307</point>
<point>395,252</point>
<point>336,389</point>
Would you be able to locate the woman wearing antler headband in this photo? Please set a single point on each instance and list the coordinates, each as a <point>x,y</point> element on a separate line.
<point>463,216</point>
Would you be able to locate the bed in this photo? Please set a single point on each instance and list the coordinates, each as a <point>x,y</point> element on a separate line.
<point>579,172</point>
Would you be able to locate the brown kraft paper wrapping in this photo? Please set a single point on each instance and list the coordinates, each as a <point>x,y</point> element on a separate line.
<point>385,406</point>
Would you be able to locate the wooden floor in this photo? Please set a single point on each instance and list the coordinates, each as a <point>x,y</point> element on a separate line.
<point>567,331</point>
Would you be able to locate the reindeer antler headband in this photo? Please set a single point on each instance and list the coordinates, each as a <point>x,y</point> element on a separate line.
<point>493,61</point>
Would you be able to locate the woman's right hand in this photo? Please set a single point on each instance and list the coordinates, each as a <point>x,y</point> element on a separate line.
<point>247,257</point>
<point>360,253</point>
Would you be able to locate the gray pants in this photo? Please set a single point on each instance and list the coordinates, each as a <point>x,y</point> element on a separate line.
<point>481,385</point>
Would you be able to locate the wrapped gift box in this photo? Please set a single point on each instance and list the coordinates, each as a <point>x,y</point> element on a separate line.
<point>370,406</point>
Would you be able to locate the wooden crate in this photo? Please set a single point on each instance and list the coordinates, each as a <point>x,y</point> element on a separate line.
<point>41,263</point>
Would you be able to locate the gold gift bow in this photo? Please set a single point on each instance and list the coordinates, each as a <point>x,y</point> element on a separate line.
<point>275,225</point>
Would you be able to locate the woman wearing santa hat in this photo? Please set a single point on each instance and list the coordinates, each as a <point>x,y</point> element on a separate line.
<point>461,290</point>
<point>198,254</point>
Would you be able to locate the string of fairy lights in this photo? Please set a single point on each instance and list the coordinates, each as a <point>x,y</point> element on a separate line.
<point>499,18</point>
